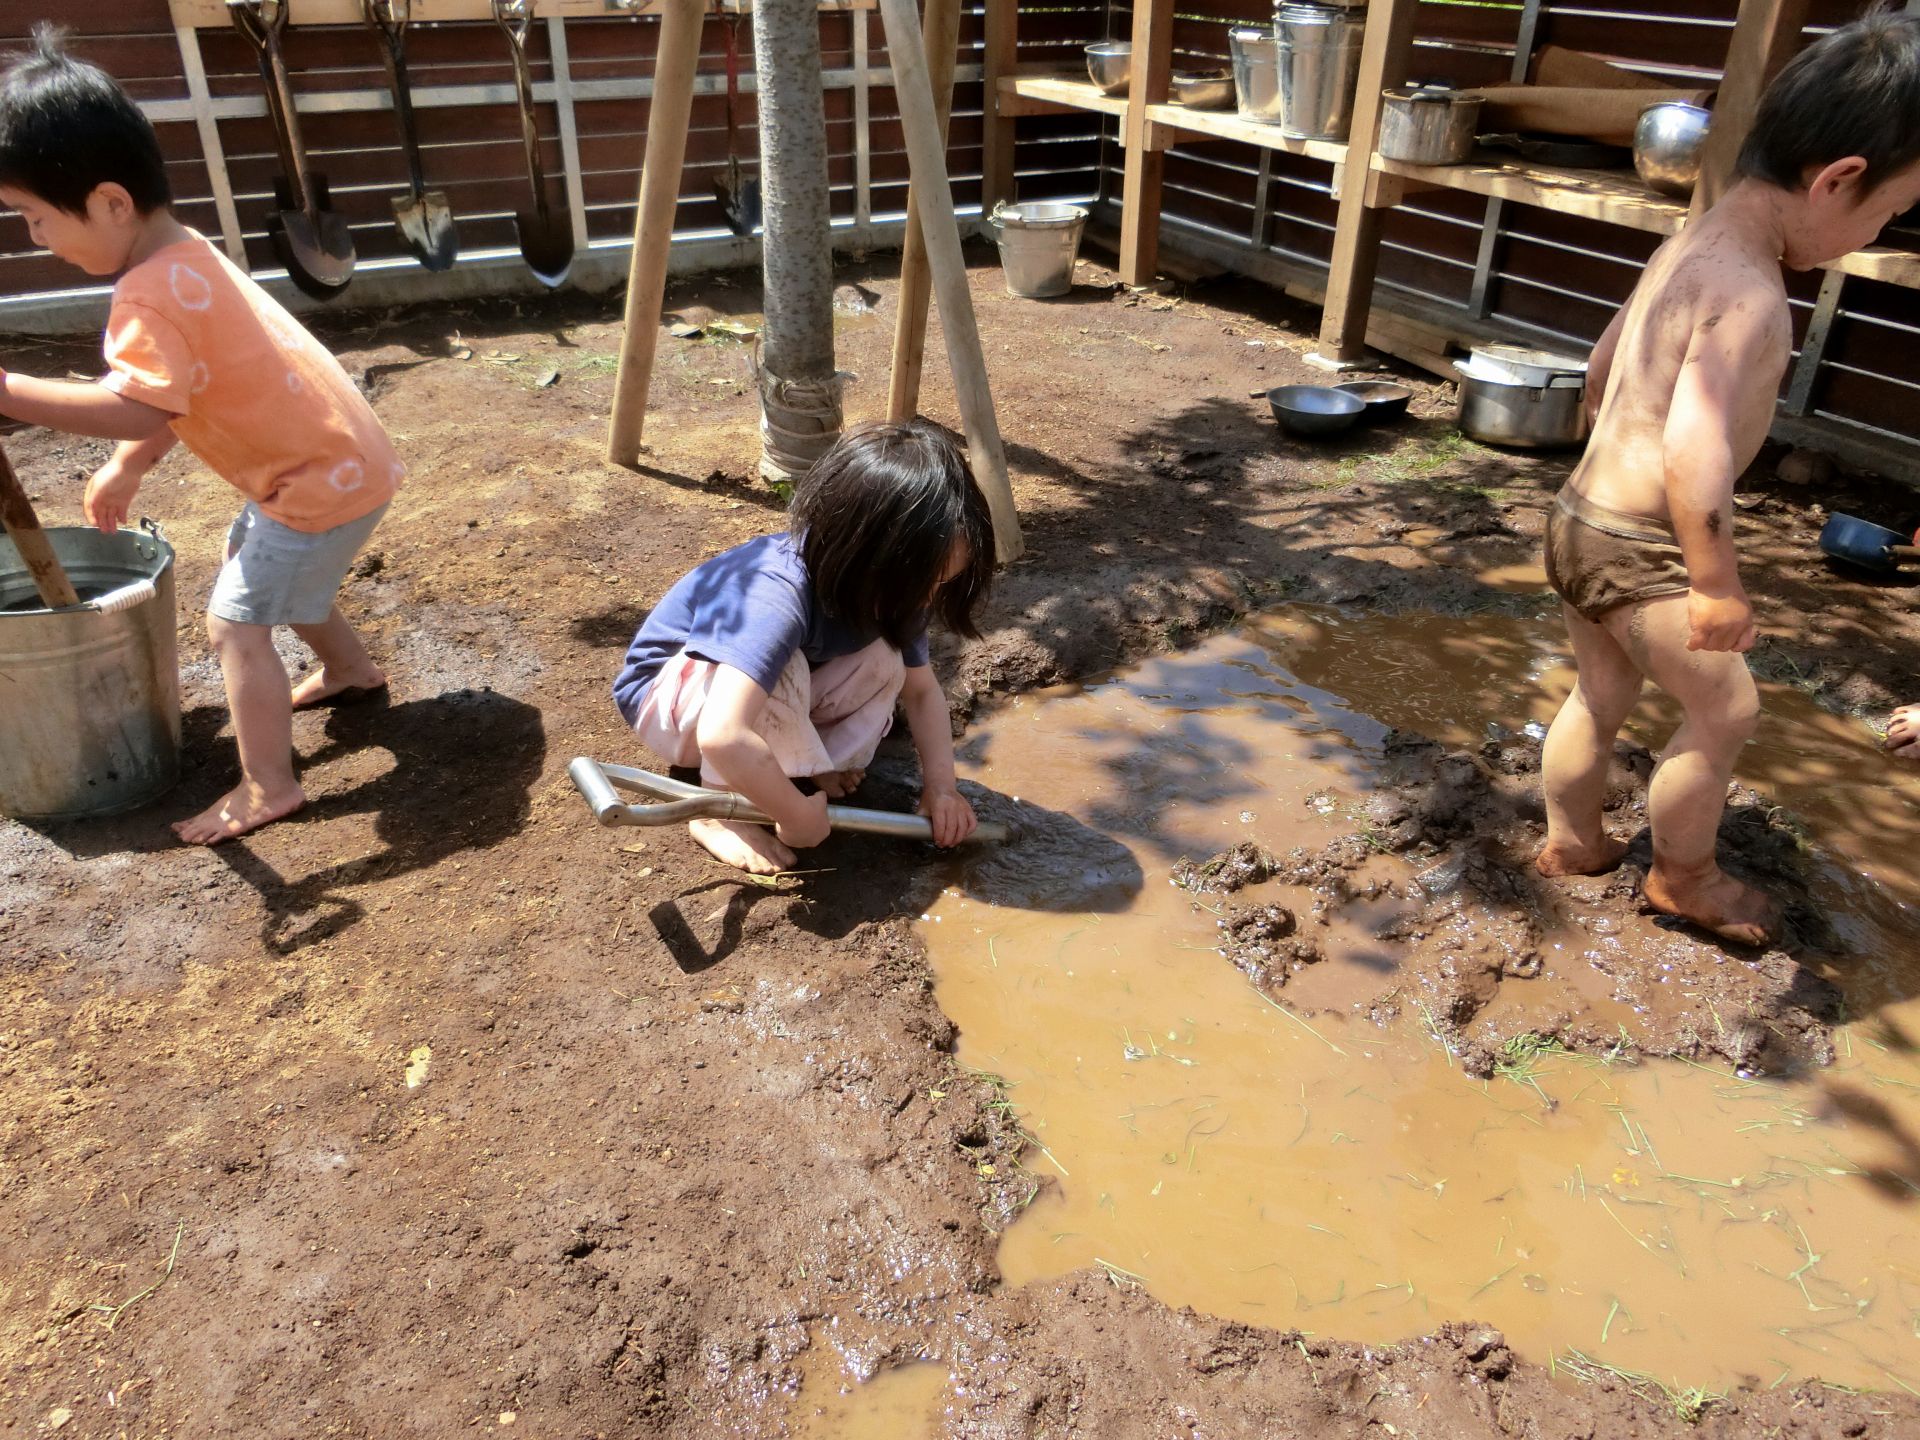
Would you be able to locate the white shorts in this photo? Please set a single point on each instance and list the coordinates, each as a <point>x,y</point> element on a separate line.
<point>276,575</point>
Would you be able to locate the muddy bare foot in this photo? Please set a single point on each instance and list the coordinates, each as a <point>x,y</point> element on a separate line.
<point>752,848</point>
<point>837,783</point>
<point>322,688</point>
<point>243,808</point>
<point>1581,859</point>
<point>1903,733</point>
<point>1717,903</point>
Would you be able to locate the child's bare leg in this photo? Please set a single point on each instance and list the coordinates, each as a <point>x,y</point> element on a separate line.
<point>344,662</point>
<point>1579,747</point>
<point>262,710</point>
<point>1688,792</point>
<point>1903,733</point>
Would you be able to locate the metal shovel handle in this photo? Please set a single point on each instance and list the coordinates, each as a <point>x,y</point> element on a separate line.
<point>390,18</point>
<point>264,23</point>
<point>596,783</point>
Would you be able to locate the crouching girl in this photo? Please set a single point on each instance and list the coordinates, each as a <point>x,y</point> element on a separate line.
<point>783,658</point>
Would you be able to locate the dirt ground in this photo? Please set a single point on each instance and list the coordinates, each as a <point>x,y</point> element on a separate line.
<point>671,1129</point>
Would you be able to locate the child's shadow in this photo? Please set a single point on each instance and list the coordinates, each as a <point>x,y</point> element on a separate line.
<point>466,762</point>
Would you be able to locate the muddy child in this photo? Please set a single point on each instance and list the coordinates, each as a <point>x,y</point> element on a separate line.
<point>1640,542</point>
<point>783,658</point>
<point>197,354</point>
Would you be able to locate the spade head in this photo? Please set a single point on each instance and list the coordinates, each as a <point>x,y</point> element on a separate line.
<point>739,197</point>
<point>426,223</point>
<point>316,247</point>
<point>546,244</point>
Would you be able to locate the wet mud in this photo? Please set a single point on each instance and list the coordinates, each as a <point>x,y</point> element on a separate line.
<point>439,1110</point>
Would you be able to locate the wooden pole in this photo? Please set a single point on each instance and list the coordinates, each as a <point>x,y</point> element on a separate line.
<point>1765,35</point>
<point>927,166</point>
<point>910,325</point>
<point>667,117</point>
<point>1000,57</point>
<point>23,526</point>
<point>1384,55</point>
<point>1152,75</point>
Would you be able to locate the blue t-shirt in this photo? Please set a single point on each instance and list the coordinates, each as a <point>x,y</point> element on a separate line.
<point>749,607</point>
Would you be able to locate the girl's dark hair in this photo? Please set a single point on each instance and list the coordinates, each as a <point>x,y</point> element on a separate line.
<point>877,517</point>
<point>1854,92</point>
<point>66,128</point>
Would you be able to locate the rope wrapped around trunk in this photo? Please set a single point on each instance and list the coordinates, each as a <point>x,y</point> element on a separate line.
<point>799,421</point>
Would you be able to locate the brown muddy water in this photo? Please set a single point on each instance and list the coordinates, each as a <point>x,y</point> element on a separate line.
<point>1306,1168</point>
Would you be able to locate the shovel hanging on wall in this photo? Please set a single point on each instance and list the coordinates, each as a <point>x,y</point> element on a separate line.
<point>737,191</point>
<point>313,242</point>
<point>423,216</point>
<point>546,234</point>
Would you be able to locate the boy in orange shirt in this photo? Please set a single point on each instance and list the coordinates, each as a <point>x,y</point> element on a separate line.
<point>197,353</point>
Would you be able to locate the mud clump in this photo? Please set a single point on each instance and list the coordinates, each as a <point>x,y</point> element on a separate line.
<point>1229,871</point>
<point>1263,944</point>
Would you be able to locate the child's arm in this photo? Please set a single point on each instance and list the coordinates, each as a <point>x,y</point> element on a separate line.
<point>740,756</point>
<point>79,407</point>
<point>110,492</point>
<point>932,729</point>
<point>1725,389</point>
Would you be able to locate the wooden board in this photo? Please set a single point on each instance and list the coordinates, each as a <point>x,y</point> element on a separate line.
<point>1616,196</point>
<point>212,14</point>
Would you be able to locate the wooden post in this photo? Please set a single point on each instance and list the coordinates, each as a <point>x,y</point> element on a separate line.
<point>1152,74</point>
<point>942,24</point>
<point>927,167</point>
<point>667,117</point>
<point>1356,236</point>
<point>1765,36</point>
<point>1000,57</point>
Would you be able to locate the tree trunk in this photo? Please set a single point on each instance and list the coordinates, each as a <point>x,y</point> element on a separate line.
<point>799,388</point>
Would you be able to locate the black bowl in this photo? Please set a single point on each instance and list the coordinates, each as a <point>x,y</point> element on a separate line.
<point>1384,399</point>
<point>1314,411</point>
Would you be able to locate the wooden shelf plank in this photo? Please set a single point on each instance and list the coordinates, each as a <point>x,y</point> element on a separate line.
<point>212,14</point>
<point>1063,90</point>
<point>1894,267</point>
<point>1616,196</point>
<point>1226,125</point>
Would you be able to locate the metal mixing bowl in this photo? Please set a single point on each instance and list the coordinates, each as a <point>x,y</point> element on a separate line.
<point>1384,399</point>
<point>1666,145</point>
<point>1110,64</point>
<point>1315,410</point>
<point>1204,89</point>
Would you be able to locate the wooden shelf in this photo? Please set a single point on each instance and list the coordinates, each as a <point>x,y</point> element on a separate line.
<point>212,14</point>
<point>1894,267</point>
<point>1226,125</point>
<point>1062,90</point>
<point>1616,196</point>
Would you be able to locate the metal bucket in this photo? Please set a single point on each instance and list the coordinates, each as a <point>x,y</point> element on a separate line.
<point>1319,69</point>
<point>1256,74</point>
<point>89,695</point>
<point>1039,241</point>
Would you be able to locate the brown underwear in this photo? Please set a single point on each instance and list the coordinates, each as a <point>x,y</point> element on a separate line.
<point>1599,559</point>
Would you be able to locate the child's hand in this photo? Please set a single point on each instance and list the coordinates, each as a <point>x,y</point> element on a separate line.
<point>809,831</point>
<point>952,816</point>
<point>1720,622</point>
<point>109,496</point>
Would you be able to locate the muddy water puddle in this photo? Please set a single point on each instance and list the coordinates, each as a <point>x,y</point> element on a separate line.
<point>1304,1167</point>
<point>897,1402</point>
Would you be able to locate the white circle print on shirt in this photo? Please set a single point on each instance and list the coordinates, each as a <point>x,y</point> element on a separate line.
<point>347,476</point>
<point>198,378</point>
<point>190,287</point>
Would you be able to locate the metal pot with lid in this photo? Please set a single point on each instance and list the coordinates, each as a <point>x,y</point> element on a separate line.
<point>1428,124</point>
<point>1543,413</point>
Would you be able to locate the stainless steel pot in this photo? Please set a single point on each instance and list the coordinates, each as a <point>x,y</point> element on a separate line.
<point>1256,74</point>
<point>1499,411</point>
<point>1110,66</point>
<point>1420,125</point>
<point>1319,69</point>
<point>1667,143</point>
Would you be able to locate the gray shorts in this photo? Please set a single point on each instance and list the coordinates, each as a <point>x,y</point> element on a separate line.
<point>276,575</point>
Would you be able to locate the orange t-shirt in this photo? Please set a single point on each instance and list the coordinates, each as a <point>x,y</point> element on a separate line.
<point>250,391</point>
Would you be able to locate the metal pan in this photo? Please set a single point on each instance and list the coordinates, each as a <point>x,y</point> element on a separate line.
<point>313,242</point>
<point>1860,542</point>
<point>546,234</point>
<point>596,781</point>
<point>423,216</point>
